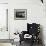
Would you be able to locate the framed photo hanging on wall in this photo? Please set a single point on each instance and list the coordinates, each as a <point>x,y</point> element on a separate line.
<point>20,14</point>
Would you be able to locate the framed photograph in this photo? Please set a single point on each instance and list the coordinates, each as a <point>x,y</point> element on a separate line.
<point>20,14</point>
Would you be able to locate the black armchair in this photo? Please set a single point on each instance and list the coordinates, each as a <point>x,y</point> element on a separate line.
<point>32,29</point>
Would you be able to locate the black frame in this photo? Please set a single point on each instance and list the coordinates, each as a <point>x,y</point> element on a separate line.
<point>20,14</point>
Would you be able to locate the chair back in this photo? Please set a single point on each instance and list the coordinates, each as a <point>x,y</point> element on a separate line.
<point>33,28</point>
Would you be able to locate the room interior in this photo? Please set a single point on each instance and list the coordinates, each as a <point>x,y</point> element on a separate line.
<point>16,15</point>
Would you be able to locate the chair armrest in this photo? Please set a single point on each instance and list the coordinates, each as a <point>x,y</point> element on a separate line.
<point>24,32</point>
<point>22,35</point>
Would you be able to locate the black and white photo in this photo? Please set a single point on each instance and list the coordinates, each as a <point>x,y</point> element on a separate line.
<point>20,14</point>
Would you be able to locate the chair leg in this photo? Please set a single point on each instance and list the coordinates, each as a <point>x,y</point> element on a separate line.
<point>20,42</point>
<point>32,42</point>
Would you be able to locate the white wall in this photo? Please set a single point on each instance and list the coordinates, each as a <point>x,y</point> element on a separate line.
<point>3,14</point>
<point>35,13</point>
<point>3,34</point>
<point>3,21</point>
<point>3,1</point>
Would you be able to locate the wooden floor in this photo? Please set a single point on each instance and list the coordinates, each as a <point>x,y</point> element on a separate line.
<point>27,44</point>
<point>6,40</point>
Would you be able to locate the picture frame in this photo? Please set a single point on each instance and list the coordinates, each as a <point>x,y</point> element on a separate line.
<point>20,14</point>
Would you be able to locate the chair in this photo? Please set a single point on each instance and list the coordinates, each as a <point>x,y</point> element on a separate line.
<point>33,30</point>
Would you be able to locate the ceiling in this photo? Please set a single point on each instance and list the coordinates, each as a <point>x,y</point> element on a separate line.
<point>6,1</point>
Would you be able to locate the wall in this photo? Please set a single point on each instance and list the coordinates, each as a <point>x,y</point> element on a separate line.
<point>3,34</point>
<point>3,21</point>
<point>35,13</point>
<point>3,1</point>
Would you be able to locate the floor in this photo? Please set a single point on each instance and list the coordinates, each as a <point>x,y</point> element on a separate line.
<point>22,44</point>
<point>27,44</point>
<point>5,44</point>
<point>9,44</point>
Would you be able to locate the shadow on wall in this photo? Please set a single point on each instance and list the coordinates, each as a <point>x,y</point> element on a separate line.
<point>41,34</point>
